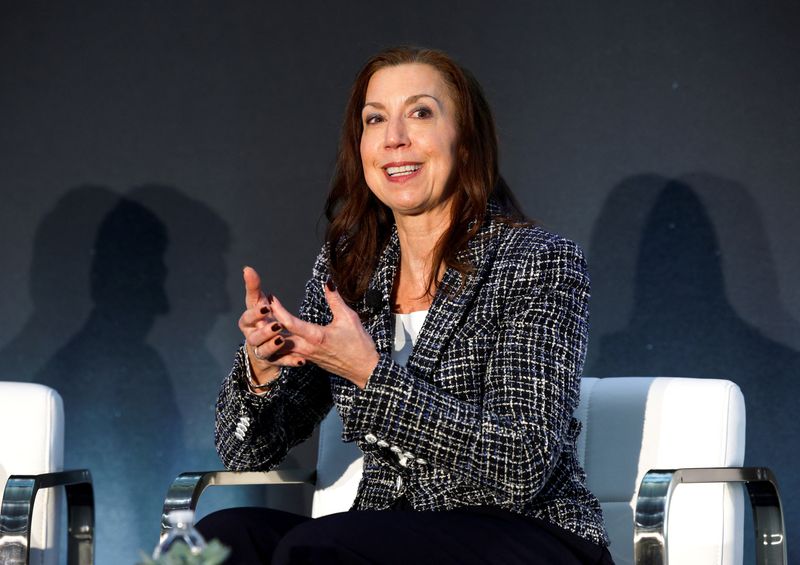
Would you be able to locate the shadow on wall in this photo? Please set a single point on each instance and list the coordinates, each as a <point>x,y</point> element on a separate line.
<point>121,416</point>
<point>681,322</point>
<point>59,279</point>
<point>199,242</point>
<point>136,413</point>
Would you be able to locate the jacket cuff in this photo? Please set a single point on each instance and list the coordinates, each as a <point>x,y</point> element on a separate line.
<point>242,377</point>
<point>388,386</point>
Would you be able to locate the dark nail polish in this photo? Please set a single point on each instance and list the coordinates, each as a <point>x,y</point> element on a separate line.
<point>279,341</point>
<point>331,285</point>
<point>264,310</point>
<point>270,298</point>
<point>276,327</point>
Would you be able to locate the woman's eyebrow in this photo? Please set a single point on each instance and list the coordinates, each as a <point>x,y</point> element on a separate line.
<point>409,100</point>
<point>412,99</point>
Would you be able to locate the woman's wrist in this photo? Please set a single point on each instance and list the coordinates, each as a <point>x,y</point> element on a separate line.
<point>265,377</point>
<point>259,381</point>
<point>366,371</point>
<point>259,389</point>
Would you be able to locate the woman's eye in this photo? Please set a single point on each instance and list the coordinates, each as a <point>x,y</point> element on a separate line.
<point>373,119</point>
<point>422,112</point>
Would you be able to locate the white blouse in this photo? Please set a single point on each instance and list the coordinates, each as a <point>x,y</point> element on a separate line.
<point>406,330</point>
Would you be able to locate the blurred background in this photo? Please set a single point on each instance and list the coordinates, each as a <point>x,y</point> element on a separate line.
<point>149,150</point>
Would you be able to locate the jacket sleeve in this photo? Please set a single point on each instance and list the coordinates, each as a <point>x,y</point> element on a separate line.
<point>511,441</point>
<point>254,432</point>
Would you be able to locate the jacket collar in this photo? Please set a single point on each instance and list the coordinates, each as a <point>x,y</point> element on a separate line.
<point>449,303</point>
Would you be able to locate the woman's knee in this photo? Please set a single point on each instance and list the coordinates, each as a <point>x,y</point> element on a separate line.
<point>250,533</point>
<point>229,522</point>
<point>329,539</point>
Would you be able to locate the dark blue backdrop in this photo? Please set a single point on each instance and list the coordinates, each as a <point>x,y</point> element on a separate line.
<point>150,150</point>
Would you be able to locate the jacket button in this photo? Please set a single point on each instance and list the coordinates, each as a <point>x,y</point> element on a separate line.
<point>383,443</point>
<point>395,449</point>
<point>408,455</point>
<point>421,461</point>
<point>370,438</point>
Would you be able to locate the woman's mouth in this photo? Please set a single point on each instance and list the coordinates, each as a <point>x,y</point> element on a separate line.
<point>403,171</point>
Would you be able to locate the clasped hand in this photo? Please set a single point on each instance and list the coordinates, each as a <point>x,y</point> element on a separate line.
<point>275,338</point>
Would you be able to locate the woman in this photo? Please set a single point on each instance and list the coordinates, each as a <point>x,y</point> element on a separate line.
<point>468,436</point>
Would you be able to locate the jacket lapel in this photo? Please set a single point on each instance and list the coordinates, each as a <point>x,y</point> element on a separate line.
<point>451,303</point>
<point>375,308</point>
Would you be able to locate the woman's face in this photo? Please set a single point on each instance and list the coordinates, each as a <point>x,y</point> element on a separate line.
<point>409,142</point>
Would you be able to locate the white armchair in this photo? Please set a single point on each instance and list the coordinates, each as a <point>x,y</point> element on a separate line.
<point>641,438</point>
<point>31,465</point>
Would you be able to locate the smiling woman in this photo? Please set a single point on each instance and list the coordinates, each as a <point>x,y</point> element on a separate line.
<point>456,99</point>
<point>408,145</point>
<point>448,332</point>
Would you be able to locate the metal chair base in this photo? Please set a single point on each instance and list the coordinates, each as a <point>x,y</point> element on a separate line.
<point>17,511</point>
<point>652,511</point>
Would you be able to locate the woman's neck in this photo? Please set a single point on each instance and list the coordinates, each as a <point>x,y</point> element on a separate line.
<point>418,236</point>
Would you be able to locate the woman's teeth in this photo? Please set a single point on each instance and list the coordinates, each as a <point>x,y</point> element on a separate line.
<point>400,171</point>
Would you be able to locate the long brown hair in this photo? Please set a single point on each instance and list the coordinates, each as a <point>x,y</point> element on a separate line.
<point>360,225</point>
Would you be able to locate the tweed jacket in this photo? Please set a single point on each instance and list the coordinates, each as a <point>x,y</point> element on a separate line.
<point>482,413</point>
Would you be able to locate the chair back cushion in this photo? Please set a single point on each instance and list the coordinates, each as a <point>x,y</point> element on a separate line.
<point>338,469</point>
<point>630,425</point>
<point>31,443</point>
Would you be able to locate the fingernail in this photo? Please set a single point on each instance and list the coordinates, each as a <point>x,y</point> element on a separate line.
<point>276,327</point>
<point>330,284</point>
<point>264,310</point>
<point>279,341</point>
<point>301,363</point>
<point>270,298</point>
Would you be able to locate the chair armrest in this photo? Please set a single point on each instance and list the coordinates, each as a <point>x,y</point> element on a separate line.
<point>17,511</point>
<point>652,510</point>
<point>186,489</point>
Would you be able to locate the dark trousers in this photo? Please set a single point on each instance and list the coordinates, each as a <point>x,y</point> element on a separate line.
<point>458,537</point>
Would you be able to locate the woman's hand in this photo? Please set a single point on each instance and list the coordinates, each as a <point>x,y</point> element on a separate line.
<point>264,337</point>
<point>342,347</point>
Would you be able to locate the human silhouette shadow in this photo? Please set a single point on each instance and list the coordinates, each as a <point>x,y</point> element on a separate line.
<point>682,323</point>
<point>199,241</point>
<point>122,420</point>
<point>196,286</point>
<point>59,280</point>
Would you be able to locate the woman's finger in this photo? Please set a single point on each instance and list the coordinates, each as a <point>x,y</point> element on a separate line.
<point>295,326</point>
<point>252,317</point>
<point>338,306</point>
<point>279,351</point>
<point>264,334</point>
<point>267,350</point>
<point>252,285</point>
<point>288,360</point>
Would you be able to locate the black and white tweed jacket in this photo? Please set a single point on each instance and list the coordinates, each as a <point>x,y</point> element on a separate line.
<point>482,414</point>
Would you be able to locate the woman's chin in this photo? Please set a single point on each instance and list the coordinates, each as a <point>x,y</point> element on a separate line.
<point>417,208</point>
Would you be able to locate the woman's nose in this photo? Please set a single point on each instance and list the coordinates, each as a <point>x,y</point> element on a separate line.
<point>396,134</point>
